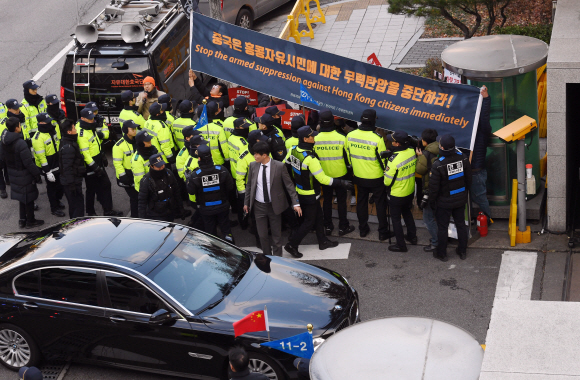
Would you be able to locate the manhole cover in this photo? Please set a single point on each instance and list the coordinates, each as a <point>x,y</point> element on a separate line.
<point>303,26</point>
<point>52,369</point>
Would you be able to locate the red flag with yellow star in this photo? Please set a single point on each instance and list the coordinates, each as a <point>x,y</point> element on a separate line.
<point>256,321</point>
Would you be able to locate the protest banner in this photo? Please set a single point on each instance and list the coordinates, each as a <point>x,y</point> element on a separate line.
<point>345,86</point>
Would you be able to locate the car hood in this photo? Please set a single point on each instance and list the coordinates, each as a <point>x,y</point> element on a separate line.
<point>295,294</point>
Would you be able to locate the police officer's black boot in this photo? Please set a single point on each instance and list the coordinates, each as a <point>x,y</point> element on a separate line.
<point>346,230</point>
<point>3,194</point>
<point>293,251</point>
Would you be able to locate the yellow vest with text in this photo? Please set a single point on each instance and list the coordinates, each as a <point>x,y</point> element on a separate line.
<point>363,149</point>
<point>329,147</point>
<point>122,153</point>
<point>400,173</point>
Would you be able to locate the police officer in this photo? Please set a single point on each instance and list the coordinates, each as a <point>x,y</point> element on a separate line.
<point>296,123</point>
<point>400,179</point>
<point>129,111</point>
<point>276,139</point>
<point>123,151</point>
<point>144,149</point>
<point>72,170</point>
<point>102,124</point>
<point>166,98</point>
<point>11,109</point>
<point>211,184</point>
<point>190,165</point>
<point>276,114</point>
<point>46,143</point>
<point>188,132</point>
<point>214,133</point>
<point>159,197</point>
<point>54,111</point>
<point>238,145</point>
<point>185,120</point>
<point>241,110</point>
<point>157,124</point>
<point>365,147</point>
<point>32,105</point>
<point>3,110</point>
<point>330,148</point>
<point>449,182</point>
<point>305,166</point>
<point>97,181</point>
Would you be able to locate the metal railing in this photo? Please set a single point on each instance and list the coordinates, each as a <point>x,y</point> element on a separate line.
<point>302,8</point>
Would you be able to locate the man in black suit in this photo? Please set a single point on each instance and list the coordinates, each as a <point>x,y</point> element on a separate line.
<point>265,196</point>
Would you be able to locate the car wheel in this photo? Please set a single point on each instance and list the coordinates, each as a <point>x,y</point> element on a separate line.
<point>17,348</point>
<point>245,19</point>
<point>266,366</point>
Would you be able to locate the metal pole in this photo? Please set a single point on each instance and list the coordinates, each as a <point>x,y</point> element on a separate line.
<point>521,165</point>
<point>304,113</point>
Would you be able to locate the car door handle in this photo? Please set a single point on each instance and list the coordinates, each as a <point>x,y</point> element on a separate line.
<point>117,319</point>
<point>30,305</point>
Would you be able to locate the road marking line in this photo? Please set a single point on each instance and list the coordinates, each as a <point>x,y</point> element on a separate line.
<point>311,252</point>
<point>48,66</point>
<point>516,275</point>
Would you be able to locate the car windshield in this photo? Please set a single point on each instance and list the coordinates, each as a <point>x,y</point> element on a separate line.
<point>200,271</point>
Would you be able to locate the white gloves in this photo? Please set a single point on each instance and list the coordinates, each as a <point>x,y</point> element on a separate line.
<point>50,177</point>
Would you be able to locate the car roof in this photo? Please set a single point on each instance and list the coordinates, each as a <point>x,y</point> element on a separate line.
<point>119,241</point>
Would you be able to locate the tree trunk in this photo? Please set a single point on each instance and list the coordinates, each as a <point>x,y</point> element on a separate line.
<point>491,12</point>
<point>456,22</point>
<point>502,12</point>
<point>215,10</point>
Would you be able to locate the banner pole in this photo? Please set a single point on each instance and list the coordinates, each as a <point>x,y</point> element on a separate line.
<point>304,113</point>
<point>267,323</point>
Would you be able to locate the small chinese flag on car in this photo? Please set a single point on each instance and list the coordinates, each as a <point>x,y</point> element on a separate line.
<point>256,321</point>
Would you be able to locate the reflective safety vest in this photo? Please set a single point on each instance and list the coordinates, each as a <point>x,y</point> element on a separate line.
<point>89,144</point>
<point>30,113</point>
<point>177,129</point>
<point>127,115</point>
<point>212,192</point>
<point>3,110</point>
<point>164,136</point>
<point>242,167</point>
<point>229,126</point>
<point>329,147</point>
<point>290,142</point>
<point>180,161</point>
<point>139,167</point>
<point>364,149</point>
<point>236,145</point>
<point>254,127</point>
<point>3,127</point>
<point>103,128</point>
<point>305,166</point>
<point>453,178</point>
<point>192,164</point>
<point>214,133</point>
<point>400,173</point>
<point>122,153</point>
<point>45,148</point>
<point>170,119</point>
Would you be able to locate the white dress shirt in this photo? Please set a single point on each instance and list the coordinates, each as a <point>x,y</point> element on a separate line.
<point>259,188</point>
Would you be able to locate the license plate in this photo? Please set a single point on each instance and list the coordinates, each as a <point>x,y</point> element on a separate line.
<point>114,120</point>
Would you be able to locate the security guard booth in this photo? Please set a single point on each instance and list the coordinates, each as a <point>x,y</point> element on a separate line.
<point>506,65</point>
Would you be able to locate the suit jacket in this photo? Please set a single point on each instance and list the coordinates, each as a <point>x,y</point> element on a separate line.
<point>279,179</point>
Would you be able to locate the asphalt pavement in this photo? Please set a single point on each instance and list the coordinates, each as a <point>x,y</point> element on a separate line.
<point>390,284</point>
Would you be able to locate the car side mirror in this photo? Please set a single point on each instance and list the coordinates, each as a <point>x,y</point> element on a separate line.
<point>161,317</point>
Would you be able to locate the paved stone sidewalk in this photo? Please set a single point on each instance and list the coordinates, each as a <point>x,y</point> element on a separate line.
<point>426,48</point>
<point>358,28</point>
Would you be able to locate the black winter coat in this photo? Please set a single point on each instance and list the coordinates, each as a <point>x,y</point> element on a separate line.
<point>150,204</point>
<point>439,185</point>
<point>247,375</point>
<point>22,170</point>
<point>482,136</point>
<point>71,162</point>
<point>198,92</point>
<point>194,186</point>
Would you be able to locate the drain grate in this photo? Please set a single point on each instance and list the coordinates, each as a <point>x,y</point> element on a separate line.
<point>52,369</point>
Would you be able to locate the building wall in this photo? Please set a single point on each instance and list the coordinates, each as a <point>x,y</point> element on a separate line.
<point>563,67</point>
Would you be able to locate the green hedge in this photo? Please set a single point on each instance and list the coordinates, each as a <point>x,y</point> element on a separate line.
<point>541,31</point>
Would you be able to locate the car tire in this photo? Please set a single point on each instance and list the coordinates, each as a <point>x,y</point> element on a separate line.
<point>266,366</point>
<point>29,354</point>
<point>245,19</point>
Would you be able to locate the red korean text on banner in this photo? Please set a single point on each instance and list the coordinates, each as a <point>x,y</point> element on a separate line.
<point>373,60</point>
<point>251,95</point>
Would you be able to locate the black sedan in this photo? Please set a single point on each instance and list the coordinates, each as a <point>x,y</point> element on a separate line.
<point>156,297</point>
